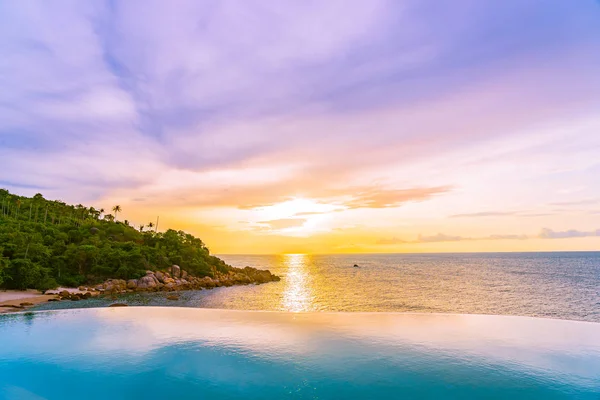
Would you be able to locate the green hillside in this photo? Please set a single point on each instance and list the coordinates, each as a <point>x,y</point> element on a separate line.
<point>45,243</point>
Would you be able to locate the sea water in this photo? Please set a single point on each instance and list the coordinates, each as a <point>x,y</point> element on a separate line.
<point>555,285</point>
<point>185,353</point>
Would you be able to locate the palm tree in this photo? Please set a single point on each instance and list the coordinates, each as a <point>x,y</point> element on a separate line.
<point>116,209</point>
<point>150,225</point>
<point>95,213</point>
<point>142,228</point>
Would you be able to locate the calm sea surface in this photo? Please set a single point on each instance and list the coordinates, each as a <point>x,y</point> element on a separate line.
<point>555,285</point>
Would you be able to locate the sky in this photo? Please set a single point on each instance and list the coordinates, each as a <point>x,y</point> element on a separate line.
<point>312,127</point>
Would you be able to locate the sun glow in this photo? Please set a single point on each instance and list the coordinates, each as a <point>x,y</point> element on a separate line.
<point>296,207</point>
<point>295,217</point>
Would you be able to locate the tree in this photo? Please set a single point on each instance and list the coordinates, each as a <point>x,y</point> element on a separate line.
<point>70,246</point>
<point>150,225</point>
<point>18,207</point>
<point>116,210</point>
<point>94,213</point>
<point>4,262</point>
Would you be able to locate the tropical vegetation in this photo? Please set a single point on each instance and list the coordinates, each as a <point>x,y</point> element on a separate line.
<point>47,243</point>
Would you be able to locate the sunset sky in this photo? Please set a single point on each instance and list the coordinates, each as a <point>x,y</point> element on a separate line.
<point>312,126</point>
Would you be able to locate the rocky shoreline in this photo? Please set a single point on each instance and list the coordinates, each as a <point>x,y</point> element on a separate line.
<point>177,279</point>
<point>172,280</point>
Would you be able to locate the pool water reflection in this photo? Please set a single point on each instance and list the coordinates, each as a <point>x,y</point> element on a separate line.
<point>184,353</point>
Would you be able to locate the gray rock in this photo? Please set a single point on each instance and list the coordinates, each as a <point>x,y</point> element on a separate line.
<point>146,282</point>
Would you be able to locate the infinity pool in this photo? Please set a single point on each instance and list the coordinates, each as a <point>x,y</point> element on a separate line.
<point>176,353</point>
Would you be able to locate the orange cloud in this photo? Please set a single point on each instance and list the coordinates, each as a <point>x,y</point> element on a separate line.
<point>284,223</point>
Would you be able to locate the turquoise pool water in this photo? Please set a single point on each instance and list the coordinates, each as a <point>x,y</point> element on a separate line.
<point>185,353</point>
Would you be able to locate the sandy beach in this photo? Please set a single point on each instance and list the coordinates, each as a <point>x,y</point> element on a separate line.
<point>17,300</point>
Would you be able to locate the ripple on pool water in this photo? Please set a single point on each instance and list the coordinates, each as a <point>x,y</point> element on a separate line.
<point>181,353</point>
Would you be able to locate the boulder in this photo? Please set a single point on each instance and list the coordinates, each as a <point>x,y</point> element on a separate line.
<point>132,284</point>
<point>65,293</point>
<point>115,285</point>
<point>146,282</point>
<point>184,274</point>
<point>175,271</point>
<point>151,275</point>
<point>207,282</point>
<point>159,275</point>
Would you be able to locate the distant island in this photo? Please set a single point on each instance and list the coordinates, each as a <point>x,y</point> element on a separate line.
<point>45,244</point>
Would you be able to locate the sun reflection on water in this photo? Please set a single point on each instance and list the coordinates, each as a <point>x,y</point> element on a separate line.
<point>297,295</point>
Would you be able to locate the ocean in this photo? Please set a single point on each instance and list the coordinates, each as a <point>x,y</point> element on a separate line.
<point>562,285</point>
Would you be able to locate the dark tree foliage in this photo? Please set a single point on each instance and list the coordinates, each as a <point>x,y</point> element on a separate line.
<point>46,243</point>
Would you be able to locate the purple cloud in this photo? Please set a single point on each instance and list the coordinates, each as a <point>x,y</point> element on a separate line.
<point>96,99</point>
<point>572,233</point>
